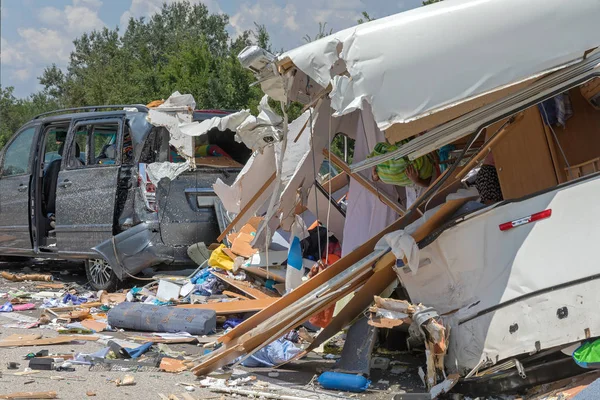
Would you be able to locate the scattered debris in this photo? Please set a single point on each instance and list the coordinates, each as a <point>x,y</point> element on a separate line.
<point>28,277</point>
<point>172,365</point>
<point>128,380</point>
<point>30,395</point>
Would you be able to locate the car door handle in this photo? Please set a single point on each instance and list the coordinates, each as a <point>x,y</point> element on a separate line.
<point>66,183</point>
<point>22,187</point>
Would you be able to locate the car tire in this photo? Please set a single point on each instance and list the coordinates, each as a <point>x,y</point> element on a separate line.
<point>100,275</point>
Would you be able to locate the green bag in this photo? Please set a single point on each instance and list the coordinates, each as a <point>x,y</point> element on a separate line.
<point>588,354</point>
<point>393,171</point>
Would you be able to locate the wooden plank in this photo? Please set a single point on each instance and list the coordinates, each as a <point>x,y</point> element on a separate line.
<point>247,207</point>
<point>233,307</point>
<point>382,277</point>
<point>523,160</point>
<point>30,395</point>
<point>94,325</point>
<point>33,336</point>
<point>62,339</point>
<point>236,295</point>
<point>337,183</point>
<point>243,286</point>
<point>262,272</point>
<point>365,183</point>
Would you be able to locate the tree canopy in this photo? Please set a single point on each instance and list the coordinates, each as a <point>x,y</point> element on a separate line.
<point>183,47</point>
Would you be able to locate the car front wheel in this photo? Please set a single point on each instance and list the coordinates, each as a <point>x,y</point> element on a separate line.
<point>100,275</point>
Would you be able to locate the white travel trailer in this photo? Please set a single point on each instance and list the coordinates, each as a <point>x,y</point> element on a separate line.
<point>515,278</point>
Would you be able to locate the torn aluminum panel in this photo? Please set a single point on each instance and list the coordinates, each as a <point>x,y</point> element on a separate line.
<point>159,170</point>
<point>517,291</point>
<point>443,67</point>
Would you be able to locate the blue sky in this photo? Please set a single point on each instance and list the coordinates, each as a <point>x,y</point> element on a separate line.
<point>37,33</point>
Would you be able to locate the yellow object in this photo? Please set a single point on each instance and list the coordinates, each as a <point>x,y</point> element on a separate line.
<point>218,259</point>
<point>155,103</point>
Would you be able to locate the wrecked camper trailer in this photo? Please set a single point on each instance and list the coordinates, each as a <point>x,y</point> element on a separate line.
<point>513,280</point>
<point>101,198</point>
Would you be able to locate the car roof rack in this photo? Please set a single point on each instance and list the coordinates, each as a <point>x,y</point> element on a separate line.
<point>139,107</point>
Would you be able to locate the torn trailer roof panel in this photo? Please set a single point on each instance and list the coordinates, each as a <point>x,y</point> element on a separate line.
<point>499,43</point>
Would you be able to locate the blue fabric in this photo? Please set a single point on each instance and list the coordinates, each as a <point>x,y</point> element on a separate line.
<point>232,322</point>
<point>557,110</point>
<point>7,307</point>
<point>273,354</point>
<point>74,299</point>
<point>444,154</point>
<point>200,277</point>
<point>138,351</point>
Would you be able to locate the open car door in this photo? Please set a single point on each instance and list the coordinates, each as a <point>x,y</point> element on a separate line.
<point>87,185</point>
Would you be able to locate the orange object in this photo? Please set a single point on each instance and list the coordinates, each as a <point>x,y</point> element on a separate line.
<point>323,318</point>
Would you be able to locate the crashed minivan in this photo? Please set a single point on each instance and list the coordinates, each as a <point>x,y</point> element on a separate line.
<point>514,282</point>
<point>86,184</point>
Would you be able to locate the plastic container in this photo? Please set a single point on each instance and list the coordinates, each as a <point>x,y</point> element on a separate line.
<point>344,382</point>
<point>148,317</point>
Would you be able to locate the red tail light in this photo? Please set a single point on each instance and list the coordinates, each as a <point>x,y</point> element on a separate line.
<point>148,192</point>
<point>526,220</point>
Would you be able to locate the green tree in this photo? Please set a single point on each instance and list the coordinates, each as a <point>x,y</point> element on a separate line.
<point>365,18</point>
<point>427,2</point>
<point>183,47</point>
<point>321,34</point>
<point>16,112</point>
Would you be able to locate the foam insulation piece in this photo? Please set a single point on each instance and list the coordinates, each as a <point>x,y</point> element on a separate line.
<point>263,130</point>
<point>433,69</point>
<point>248,182</point>
<point>169,170</point>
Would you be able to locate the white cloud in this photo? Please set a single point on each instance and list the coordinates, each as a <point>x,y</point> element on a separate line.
<point>49,40</point>
<point>82,19</point>
<point>50,16</point>
<point>45,44</point>
<point>289,23</point>
<point>9,54</point>
<point>21,74</point>
<point>95,4</point>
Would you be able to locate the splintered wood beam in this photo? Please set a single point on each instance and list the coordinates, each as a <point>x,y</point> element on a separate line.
<point>245,209</point>
<point>384,198</point>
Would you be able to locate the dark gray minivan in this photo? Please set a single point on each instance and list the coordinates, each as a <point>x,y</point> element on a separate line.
<point>73,185</point>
